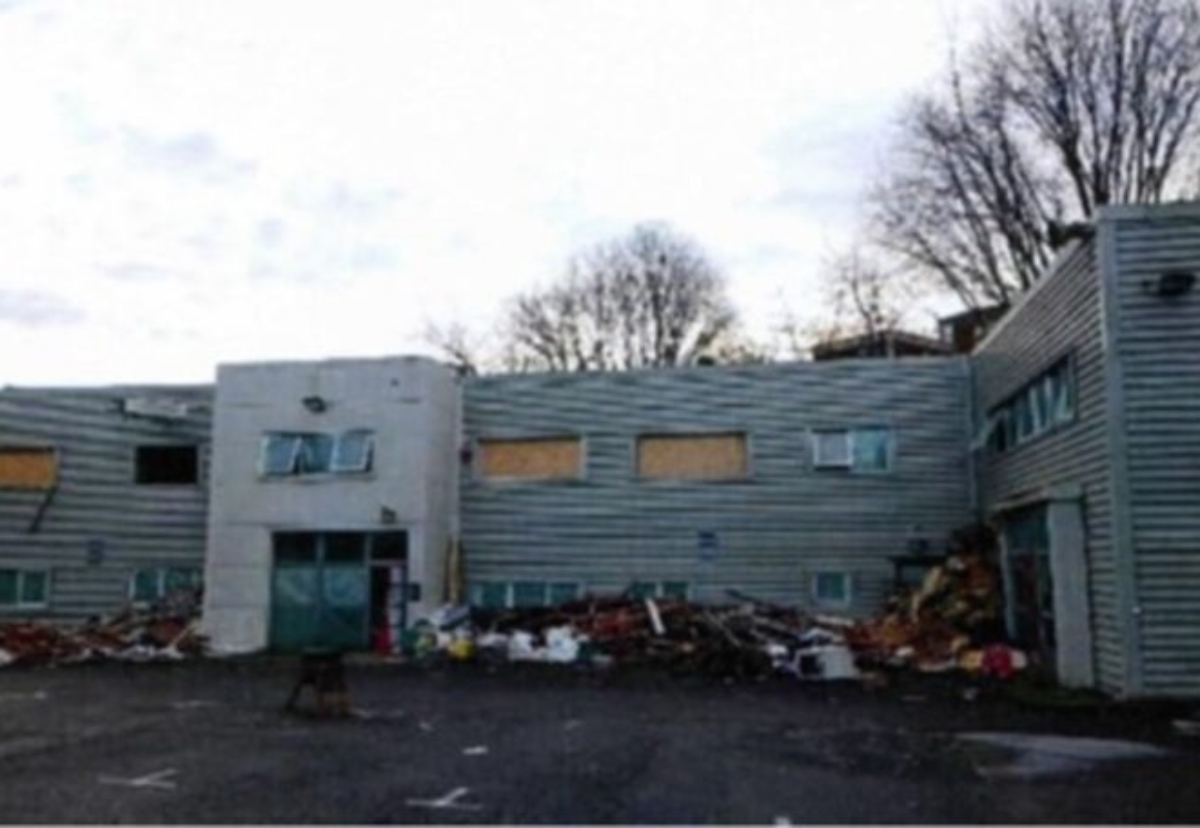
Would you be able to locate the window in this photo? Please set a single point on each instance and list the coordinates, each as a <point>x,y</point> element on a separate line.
<point>872,449</point>
<point>316,453</point>
<point>495,595</point>
<point>345,547</point>
<point>295,548</point>
<point>861,450</point>
<point>831,588</point>
<point>27,467</point>
<point>155,583</point>
<point>24,588</point>
<point>552,458</point>
<point>491,596</point>
<point>293,453</point>
<point>561,592</point>
<point>166,464</point>
<point>677,590</point>
<point>1045,403</point>
<point>831,449</point>
<point>353,451</point>
<point>692,457</point>
<point>529,594</point>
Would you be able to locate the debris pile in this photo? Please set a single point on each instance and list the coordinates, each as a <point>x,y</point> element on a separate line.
<point>166,631</point>
<point>742,639</point>
<point>952,620</point>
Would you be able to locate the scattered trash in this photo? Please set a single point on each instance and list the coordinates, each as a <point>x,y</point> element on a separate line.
<point>951,621</point>
<point>475,750</point>
<point>193,704</point>
<point>1187,727</point>
<point>160,779</point>
<point>166,631</point>
<point>448,802</point>
<point>449,617</point>
<point>39,695</point>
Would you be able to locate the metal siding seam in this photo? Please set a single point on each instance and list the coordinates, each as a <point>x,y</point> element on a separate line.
<point>1118,456</point>
<point>970,416</point>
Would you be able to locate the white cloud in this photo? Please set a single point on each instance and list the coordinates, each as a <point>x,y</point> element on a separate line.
<point>205,182</point>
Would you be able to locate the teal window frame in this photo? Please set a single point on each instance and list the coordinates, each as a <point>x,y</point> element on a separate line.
<point>824,437</point>
<point>153,583</point>
<point>855,459</point>
<point>560,592</point>
<point>671,590</point>
<point>528,594</point>
<point>863,463</point>
<point>494,595</point>
<point>844,593</point>
<point>490,595</point>
<point>1046,403</point>
<point>16,586</point>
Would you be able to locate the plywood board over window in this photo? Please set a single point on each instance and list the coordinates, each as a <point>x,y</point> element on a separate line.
<point>692,456</point>
<point>549,458</point>
<point>27,468</point>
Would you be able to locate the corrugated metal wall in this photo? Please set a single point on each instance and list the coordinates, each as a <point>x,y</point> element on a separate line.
<point>97,499</point>
<point>773,529</point>
<point>1159,347</point>
<point>1062,316</point>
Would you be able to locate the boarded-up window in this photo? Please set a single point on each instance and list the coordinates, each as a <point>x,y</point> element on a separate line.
<point>27,468</point>
<point>692,456</point>
<point>550,458</point>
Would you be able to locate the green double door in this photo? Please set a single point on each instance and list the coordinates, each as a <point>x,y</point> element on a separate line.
<point>319,591</point>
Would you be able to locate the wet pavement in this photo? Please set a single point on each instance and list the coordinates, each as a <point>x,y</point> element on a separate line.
<point>209,743</point>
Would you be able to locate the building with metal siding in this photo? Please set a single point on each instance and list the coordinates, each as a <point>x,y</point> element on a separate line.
<point>1074,428</point>
<point>96,526</point>
<point>1117,486</point>
<point>1155,342</point>
<point>767,532</point>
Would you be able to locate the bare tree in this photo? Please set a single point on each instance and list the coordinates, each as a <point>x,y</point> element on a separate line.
<point>866,297</point>
<point>1111,86</point>
<point>1066,105</point>
<point>861,295</point>
<point>458,345</point>
<point>649,299</point>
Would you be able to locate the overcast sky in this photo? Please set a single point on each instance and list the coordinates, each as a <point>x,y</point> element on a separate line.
<point>186,183</point>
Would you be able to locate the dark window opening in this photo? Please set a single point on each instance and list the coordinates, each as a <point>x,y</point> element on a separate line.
<point>167,464</point>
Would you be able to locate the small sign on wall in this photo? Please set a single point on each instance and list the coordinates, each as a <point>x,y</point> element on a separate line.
<point>96,549</point>
<point>708,546</point>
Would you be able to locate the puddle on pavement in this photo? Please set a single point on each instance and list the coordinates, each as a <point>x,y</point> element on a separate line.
<point>1032,756</point>
<point>873,752</point>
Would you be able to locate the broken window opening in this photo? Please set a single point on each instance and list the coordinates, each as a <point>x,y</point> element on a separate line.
<point>175,465</point>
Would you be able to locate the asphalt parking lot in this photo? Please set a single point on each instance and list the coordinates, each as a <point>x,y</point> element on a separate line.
<point>208,743</point>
